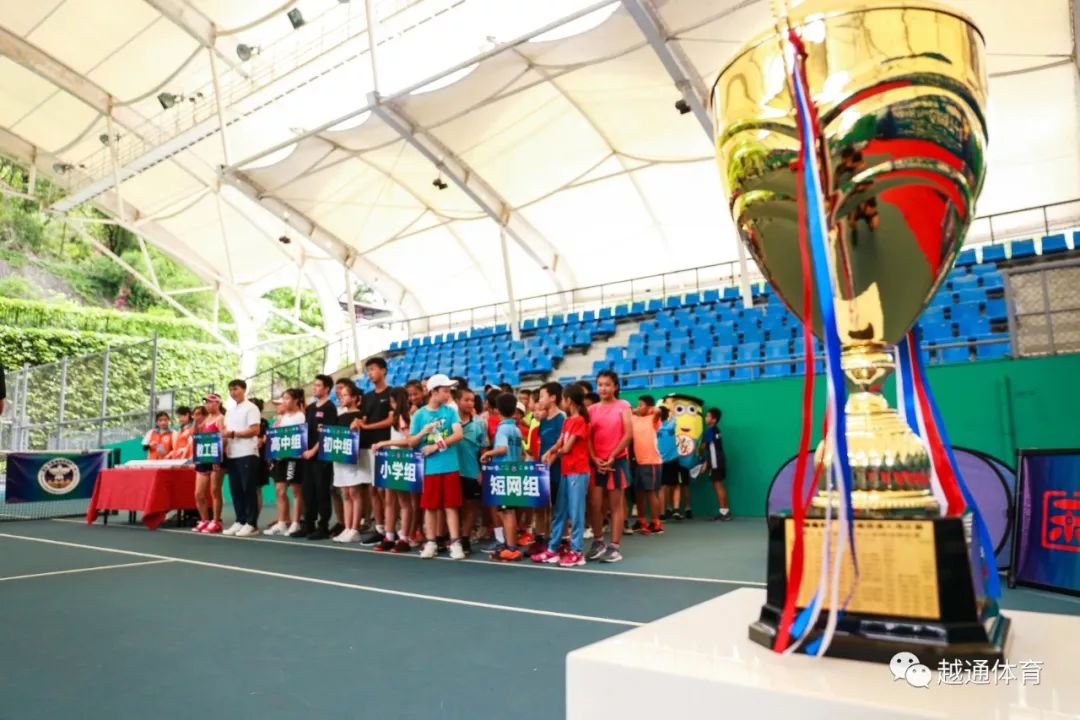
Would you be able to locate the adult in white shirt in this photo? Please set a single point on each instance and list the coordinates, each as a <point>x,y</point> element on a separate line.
<point>242,460</point>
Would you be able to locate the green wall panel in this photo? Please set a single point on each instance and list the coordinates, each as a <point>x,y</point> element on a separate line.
<point>992,406</point>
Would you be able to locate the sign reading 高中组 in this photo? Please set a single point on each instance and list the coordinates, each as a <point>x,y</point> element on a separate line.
<point>287,442</point>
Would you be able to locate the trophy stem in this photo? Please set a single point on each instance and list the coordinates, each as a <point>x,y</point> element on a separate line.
<point>890,468</point>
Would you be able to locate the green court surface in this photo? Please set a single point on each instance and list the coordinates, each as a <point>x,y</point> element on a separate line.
<point>121,622</point>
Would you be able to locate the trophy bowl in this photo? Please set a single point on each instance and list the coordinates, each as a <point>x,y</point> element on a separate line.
<point>900,89</point>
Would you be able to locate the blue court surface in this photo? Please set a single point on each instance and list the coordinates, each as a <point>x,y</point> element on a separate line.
<point>172,624</point>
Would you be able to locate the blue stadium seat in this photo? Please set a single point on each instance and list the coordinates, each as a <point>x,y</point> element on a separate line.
<point>997,310</point>
<point>673,301</point>
<point>1022,249</point>
<point>995,281</point>
<point>781,370</point>
<point>964,282</point>
<point>966,258</point>
<point>394,345</point>
<point>742,373</point>
<point>711,296</point>
<point>604,327</point>
<point>589,315</point>
<point>986,268</point>
<point>993,253</point>
<point>954,354</point>
<point>528,325</point>
<point>685,379</point>
<point>607,314</point>
<point>1054,244</point>
<point>655,305</point>
<point>663,379</point>
<point>573,318</point>
<point>542,323</point>
<point>691,299</point>
<point>731,293</point>
<point>992,351</point>
<point>714,376</point>
<point>557,320</point>
<point>637,382</point>
<point>972,295</point>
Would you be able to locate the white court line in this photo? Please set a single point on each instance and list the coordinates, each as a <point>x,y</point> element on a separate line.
<point>335,583</point>
<point>83,570</point>
<point>524,564</point>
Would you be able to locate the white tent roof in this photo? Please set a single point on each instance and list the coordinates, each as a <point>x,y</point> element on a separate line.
<point>555,119</point>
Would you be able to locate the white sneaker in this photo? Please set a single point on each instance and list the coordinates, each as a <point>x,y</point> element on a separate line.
<point>247,531</point>
<point>295,527</point>
<point>456,551</point>
<point>430,550</point>
<point>232,529</point>
<point>588,533</point>
<point>343,536</point>
<point>277,528</point>
<point>351,536</point>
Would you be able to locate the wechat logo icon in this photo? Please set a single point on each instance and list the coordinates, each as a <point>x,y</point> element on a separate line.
<point>905,666</point>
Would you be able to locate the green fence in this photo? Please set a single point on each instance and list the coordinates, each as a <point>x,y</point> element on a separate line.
<point>992,406</point>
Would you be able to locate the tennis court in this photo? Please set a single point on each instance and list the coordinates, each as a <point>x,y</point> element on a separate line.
<point>118,621</point>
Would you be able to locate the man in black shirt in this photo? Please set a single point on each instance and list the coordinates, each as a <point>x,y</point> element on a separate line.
<point>318,474</point>
<point>374,427</point>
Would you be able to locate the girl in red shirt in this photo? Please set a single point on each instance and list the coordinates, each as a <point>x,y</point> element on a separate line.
<point>573,448</point>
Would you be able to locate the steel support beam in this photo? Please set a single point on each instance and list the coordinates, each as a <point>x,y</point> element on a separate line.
<point>690,85</point>
<point>528,238</point>
<point>104,250</point>
<point>372,275</point>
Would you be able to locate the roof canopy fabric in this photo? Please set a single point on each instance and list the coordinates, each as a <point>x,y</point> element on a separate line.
<point>553,122</point>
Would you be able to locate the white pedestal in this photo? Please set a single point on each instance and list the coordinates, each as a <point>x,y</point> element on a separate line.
<point>699,663</point>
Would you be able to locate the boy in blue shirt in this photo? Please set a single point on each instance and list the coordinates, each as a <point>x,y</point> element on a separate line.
<point>669,456</point>
<point>473,440</point>
<point>436,428</point>
<point>551,427</point>
<point>507,447</point>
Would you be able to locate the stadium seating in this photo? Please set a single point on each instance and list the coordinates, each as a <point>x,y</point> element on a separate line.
<point>708,337</point>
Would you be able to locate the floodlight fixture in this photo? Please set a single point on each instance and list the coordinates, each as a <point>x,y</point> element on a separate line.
<point>168,99</point>
<point>295,17</point>
<point>61,168</point>
<point>682,106</point>
<point>105,139</point>
<point>439,183</point>
<point>246,52</point>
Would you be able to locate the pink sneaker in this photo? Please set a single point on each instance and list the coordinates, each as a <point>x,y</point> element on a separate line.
<point>200,526</point>
<point>213,527</point>
<point>572,559</point>
<point>544,556</point>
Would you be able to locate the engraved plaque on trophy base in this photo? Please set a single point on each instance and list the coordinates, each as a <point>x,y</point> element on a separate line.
<point>914,593</point>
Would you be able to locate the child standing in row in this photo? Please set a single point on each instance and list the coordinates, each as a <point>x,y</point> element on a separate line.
<point>436,428</point>
<point>397,500</point>
<point>611,435</point>
<point>646,423</point>
<point>508,447</point>
<point>473,441</point>
<point>158,443</point>
<point>348,476</point>
<point>572,453</point>
<point>288,473</point>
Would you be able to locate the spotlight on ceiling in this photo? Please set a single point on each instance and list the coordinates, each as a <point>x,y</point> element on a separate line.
<point>682,106</point>
<point>168,99</point>
<point>61,168</point>
<point>439,183</point>
<point>246,52</point>
<point>104,138</point>
<point>284,240</point>
<point>295,17</point>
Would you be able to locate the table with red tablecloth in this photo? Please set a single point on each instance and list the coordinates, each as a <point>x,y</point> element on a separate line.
<point>153,491</point>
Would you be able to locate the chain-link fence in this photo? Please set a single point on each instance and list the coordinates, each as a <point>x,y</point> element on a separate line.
<point>1044,308</point>
<point>84,403</point>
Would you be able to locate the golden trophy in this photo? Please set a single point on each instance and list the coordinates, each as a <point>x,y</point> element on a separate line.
<point>900,91</point>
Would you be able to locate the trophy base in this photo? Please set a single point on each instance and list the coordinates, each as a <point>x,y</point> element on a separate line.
<point>918,597</point>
